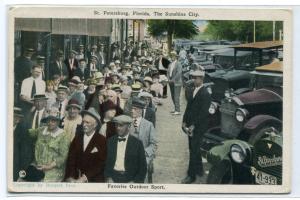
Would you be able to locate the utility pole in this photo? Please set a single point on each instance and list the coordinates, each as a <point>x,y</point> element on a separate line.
<point>274,37</point>
<point>254,39</point>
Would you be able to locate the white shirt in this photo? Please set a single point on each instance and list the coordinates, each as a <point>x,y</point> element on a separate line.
<point>121,149</point>
<point>196,90</point>
<point>172,66</point>
<point>27,83</point>
<point>86,140</point>
<point>40,117</point>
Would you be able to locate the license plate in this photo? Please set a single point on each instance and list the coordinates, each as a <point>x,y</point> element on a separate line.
<point>265,179</point>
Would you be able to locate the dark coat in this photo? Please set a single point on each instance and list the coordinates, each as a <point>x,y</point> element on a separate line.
<point>82,75</point>
<point>150,115</point>
<point>23,153</point>
<point>196,112</point>
<point>88,163</point>
<point>23,68</point>
<point>71,71</point>
<point>55,70</point>
<point>165,62</point>
<point>135,160</point>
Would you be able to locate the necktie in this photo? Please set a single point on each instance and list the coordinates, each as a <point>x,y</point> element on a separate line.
<point>59,109</point>
<point>37,119</point>
<point>120,139</point>
<point>33,90</point>
<point>135,124</point>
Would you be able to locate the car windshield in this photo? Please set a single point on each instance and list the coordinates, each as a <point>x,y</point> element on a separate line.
<point>264,80</point>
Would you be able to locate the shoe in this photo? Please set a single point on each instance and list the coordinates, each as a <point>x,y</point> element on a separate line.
<point>188,180</point>
<point>176,113</point>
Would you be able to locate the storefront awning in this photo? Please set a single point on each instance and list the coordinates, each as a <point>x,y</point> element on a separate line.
<point>91,27</point>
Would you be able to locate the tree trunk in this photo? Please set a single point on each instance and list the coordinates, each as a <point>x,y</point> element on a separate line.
<point>170,41</point>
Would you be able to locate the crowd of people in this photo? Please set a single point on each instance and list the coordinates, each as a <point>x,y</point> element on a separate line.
<point>90,120</point>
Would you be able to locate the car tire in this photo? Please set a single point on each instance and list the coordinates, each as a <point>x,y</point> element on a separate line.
<point>220,173</point>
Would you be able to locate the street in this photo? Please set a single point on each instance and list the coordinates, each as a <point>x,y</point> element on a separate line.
<point>171,162</point>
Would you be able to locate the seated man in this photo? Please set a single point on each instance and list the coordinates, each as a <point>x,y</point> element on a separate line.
<point>87,153</point>
<point>126,161</point>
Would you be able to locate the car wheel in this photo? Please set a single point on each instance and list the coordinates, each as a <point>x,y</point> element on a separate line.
<point>220,173</point>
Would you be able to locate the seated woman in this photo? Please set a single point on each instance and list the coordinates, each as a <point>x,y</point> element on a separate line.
<point>109,110</point>
<point>51,148</point>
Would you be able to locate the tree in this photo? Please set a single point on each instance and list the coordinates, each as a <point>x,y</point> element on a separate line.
<point>173,28</point>
<point>243,30</point>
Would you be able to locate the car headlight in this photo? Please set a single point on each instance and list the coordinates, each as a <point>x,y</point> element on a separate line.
<point>213,108</point>
<point>241,114</point>
<point>238,153</point>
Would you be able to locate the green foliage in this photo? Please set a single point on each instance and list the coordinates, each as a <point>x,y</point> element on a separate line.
<point>177,28</point>
<point>243,30</point>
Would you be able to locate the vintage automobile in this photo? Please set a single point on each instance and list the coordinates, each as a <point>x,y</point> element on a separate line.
<point>240,162</point>
<point>247,115</point>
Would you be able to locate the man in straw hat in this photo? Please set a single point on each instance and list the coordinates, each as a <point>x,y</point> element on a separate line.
<point>126,161</point>
<point>194,124</point>
<point>175,81</point>
<point>87,153</point>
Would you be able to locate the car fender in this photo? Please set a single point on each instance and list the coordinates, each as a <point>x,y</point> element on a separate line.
<point>257,122</point>
<point>220,152</point>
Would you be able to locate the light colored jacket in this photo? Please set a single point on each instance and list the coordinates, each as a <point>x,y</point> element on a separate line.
<point>176,75</point>
<point>147,134</point>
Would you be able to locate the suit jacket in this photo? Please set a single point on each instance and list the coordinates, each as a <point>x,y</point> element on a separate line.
<point>147,134</point>
<point>23,68</point>
<point>75,66</point>
<point>82,75</point>
<point>87,162</point>
<point>134,162</point>
<point>176,75</point>
<point>165,62</point>
<point>55,70</point>
<point>196,112</point>
<point>29,118</point>
<point>150,115</point>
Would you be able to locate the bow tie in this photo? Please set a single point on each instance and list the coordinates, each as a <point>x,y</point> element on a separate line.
<point>121,139</point>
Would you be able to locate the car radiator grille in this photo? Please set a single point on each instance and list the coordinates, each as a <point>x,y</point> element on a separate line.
<point>274,170</point>
<point>229,125</point>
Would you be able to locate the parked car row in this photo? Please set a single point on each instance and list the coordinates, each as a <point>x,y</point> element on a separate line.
<point>244,142</point>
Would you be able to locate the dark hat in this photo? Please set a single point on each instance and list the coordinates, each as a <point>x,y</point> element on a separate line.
<point>40,59</point>
<point>94,57</point>
<point>39,97</point>
<point>29,50</point>
<point>122,119</point>
<point>92,112</point>
<point>18,112</point>
<point>60,53</point>
<point>32,174</point>
<point>108,105</point>
<point>62,88</point>
<point>75,80</point>
<point>52,113</point>
<point>138,103</point>
<point>73,51</point>
<point>73,103</point>
<point>116,88</point>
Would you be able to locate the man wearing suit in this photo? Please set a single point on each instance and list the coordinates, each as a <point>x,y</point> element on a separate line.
<point>102,57</point>
<point>71,63</point>
<point>58,67</point>
<point>149,110</point>
<point>162,64</point>
<point>194,124</point>
<point>82,71</point>
<point>87,153</point>
<point>145,132</point>
<point>174,75</point>
<point>126,161</point>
